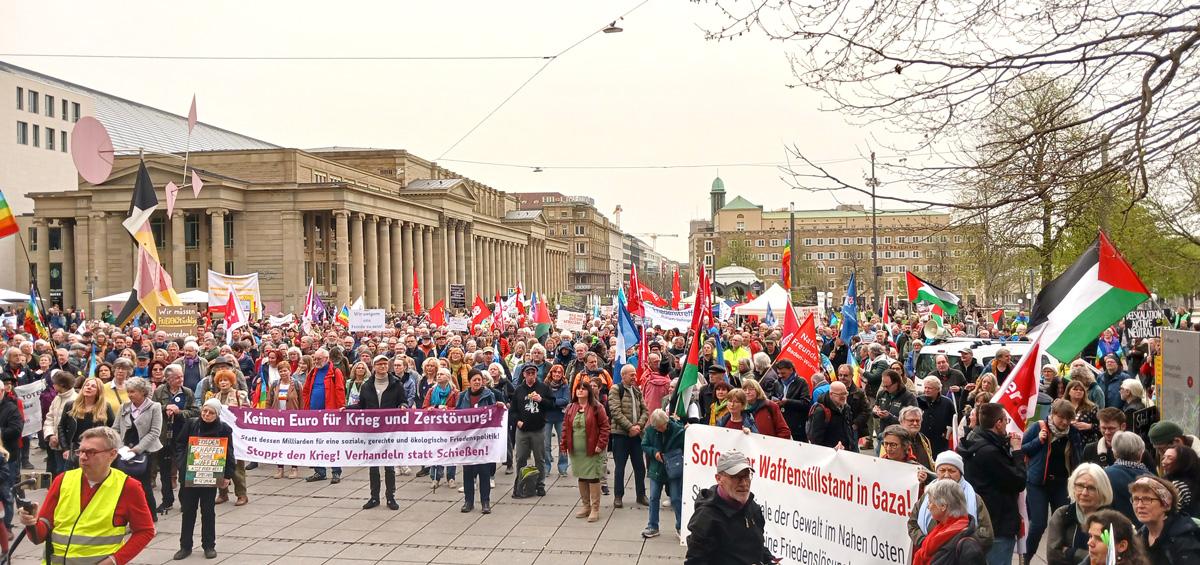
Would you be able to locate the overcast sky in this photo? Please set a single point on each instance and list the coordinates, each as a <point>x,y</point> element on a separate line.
<point>656,94</point>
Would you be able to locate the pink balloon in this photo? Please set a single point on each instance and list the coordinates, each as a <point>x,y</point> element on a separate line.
<point>92,150</point>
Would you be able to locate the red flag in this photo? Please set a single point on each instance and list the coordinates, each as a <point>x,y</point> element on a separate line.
<point>437,314</point>
<point>790,324</point>
<point>750,295</point>
<point>997,316</point>
<point>675,291</point>
<point>417,296</point>
<point>1018,393</point>
<point>498,314</point>
<point>802,349</point>
<point>887,315</point>
<point>634,300</point>
<point>702,309</point>
<point>648,295</point>
<point>479,312</point>
<point>234,317</point>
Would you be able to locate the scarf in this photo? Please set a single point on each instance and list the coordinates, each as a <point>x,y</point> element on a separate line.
<point>439,395</point>
<point>718,410</point>
<point>1056,434</point>
<point>925,519</point>
<point>938,537</point>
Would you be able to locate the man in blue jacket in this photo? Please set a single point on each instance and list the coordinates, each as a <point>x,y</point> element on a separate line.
<point>1052,448</point>
<point>1110,380</point>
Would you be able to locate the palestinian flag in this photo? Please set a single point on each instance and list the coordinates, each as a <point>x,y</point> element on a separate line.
<point>690,378</point>
<point>919,290</point>
<point>1098,289</point>
<point>541,318</point>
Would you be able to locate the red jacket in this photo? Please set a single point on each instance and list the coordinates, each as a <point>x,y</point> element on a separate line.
<point>131,510</point>
<point>335,388</point>
<point>596,423</point>
<point>769,419</point>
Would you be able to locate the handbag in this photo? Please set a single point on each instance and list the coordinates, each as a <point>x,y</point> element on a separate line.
<point>674,462</point>
<point>138,465</point>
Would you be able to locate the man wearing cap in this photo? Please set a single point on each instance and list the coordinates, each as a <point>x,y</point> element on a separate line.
<point>531,401</point>
<point>1165,434</point>
<point>195,367</point>
<point>384,391</point>
<point>727,526</point>
<point>1110,381</point>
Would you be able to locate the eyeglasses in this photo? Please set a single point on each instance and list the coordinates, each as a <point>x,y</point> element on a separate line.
<point>91,452</point>
<point>1145,500</point>
<point>1080,487</point>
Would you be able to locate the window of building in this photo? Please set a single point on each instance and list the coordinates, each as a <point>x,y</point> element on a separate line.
<point>776,257</point>
<point>74,111</point>
<point>580,230</point>
<point>318,232</point>
<point>845,270</point>
<point>63,136</point>
<point>22,133</point>
<point>760,242</point>
<point>820,256</point>
<point>944,239</point>
<point>158,228</point>
<point>916,254</point>
<point>887,254</point>
<point>33,241</point>
<point>20,98</point>
<point>901,268</point>
<point>887,285</point>
<point>191,233</point>
<point>708,246</point>
<point>37,135</point>
<point>308,267</point>
<point>902,254</point>
<point>887,269</point>
<point>581,248</point>
<point>708,260</point>
<point>808,242</point>
<point>900,239</point>
<point>845,241</point>
<point>748,243</point>
<point>49,106</point>
<point>320,273</point>
<point>860,241</point>
<point>858,254</point>
<point>34,98</point>
<point>228,233</point>
<point>832,285</point>
<point>845,255</point>
<point>55,234</point>
<point>191,274</point>
<point>774,243</point>
<point>50,139</point>
<point>229,267</point>
<point>741,226</point>
<point>581,214</point>
<point>887,240</point>
<point>64,111</point>
<point>333,275</point>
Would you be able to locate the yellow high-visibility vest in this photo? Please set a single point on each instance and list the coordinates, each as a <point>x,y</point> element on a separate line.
<point>84,537</point>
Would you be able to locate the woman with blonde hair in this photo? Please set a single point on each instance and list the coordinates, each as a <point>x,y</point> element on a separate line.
<point>459,367</point>
<point>88,410</point>
<point>359,372</point>
<point>286,395</point>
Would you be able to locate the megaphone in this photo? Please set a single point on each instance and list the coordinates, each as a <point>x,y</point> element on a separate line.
<point>934,330</point>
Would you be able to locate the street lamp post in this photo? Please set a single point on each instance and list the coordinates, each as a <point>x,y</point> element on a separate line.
<point>874,183</point>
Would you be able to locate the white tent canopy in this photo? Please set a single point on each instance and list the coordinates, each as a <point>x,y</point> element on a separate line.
<point>118,297</point>
<point>776,296</point>
<point>194,297</point>
<point>13,296</point>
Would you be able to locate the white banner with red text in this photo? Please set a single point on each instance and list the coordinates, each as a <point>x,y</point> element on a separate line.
<point>368,438</point>
<point>820,505</point>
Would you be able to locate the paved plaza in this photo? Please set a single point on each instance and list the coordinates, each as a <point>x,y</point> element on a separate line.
<point>289,521</point>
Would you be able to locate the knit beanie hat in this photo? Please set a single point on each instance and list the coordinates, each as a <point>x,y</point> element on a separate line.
<point>1164,432</point>
<point>949,458</point>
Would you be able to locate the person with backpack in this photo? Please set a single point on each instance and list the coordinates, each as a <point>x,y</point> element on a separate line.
<point>952,541</point>
<point>586,444</point>
<point>628,414</point>
<point>829,420</point>
<point>531,401</point>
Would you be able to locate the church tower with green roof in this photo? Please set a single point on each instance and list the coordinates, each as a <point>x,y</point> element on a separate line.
<point>716,198</point>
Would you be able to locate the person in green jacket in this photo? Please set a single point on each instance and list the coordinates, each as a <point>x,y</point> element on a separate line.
<point>663,438</point>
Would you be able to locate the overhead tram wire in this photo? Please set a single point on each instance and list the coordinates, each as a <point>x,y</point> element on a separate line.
<point>535,74</point>
<point>282,57</point>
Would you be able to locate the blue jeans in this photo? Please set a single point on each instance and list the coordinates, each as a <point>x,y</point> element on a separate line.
<point>555,428</point>
<point>1001,552</point>
<point>438,472</point>
<point>675,492</point>
<point>1038,500</point>
<point>320,471</point>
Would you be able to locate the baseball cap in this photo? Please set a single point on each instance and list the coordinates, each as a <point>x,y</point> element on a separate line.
<point>379,358</point>
<point>733,462</point>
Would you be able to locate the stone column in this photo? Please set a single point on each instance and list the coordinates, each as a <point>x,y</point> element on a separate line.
<point>460,252</point>
<point>41,257</point>
<point>97,254</point>
<point>384,279</point>
<point>82,261</point>
<point>371,253</point>
<point>399,296</point>
<point>68,263</point>
<point>441,261</point>
<point>291,228</point>
<point>453,257</point>
<point>357,260</point>
<point>428,280</point>
<point>341,219</point>
<point>485,264</point>
<point>406,272</point>
<point>217,229</point>
<point>178,249</point>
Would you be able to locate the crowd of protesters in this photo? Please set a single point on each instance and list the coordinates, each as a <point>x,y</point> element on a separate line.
<point>1093,460</point>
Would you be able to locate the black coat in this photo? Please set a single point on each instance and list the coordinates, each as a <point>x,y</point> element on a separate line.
<point>1178,544</point>
<point>199,428</point>
<point>894,404</point>
<point>721,535</point>
<point>939,414</point>
<point>797,400</point>
<point>829,425</point>
<point>11,424</point>
<point>393,396</point>
<point>998,474</point>
<point>533,414</point>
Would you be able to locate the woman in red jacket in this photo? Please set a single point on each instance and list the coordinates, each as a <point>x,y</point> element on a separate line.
<point>586,444</point>
<point>767,415</point>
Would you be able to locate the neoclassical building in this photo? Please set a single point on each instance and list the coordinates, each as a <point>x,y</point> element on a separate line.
<point>359,222</point>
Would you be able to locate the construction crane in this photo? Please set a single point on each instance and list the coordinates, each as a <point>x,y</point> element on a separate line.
<point>654,238</point>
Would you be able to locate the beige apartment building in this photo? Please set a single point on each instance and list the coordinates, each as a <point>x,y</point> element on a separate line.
<point>594,266</point>
<point>358,222</point>
<point>833,244</point>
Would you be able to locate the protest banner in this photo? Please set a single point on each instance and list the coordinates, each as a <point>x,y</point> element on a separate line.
<point>178,321</point>
<point>458,296</point>
<point>458,324</point>
<point>30,397</point>
<point>368,438</point>
<point>277,321</point>
<point>205,466</point>
<point>369,320</point>
<point>818,502</point>
<point>1145,322</point>
<point>668,319</point>
<point>1179,394</point>
<point>245,286</point>
<point>570,321</point>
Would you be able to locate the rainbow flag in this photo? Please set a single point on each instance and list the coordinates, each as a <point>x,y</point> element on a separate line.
<point>787,265</point>
<point>35,323</point>
<point>8,224</point>
<point>853,362</point>
<point>343,316</point>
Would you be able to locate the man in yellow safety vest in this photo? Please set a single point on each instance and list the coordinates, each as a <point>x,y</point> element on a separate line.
<point>88,510</point>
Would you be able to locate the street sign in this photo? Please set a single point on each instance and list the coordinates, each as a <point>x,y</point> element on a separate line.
<point>1180,394</point>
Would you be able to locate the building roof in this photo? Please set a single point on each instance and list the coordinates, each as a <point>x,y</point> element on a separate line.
<point>433,184</point>
<point>718,185</point>
<point>783,214</point>
<point>132,125</point>
<point>739,203</point>
<point>524,215</point>
<point>734,273</point>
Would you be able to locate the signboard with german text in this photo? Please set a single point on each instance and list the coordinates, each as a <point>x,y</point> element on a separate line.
<point>205,466</point>
<point>177,321</point>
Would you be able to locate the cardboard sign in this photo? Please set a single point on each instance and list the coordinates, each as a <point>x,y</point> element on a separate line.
<point>30,397</point>
<point>205,461</point>
<point>458,324</point>
<point>1148,322</point>
<point>372,320</point>
<point>177,321</point>
<point>570,321</point>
